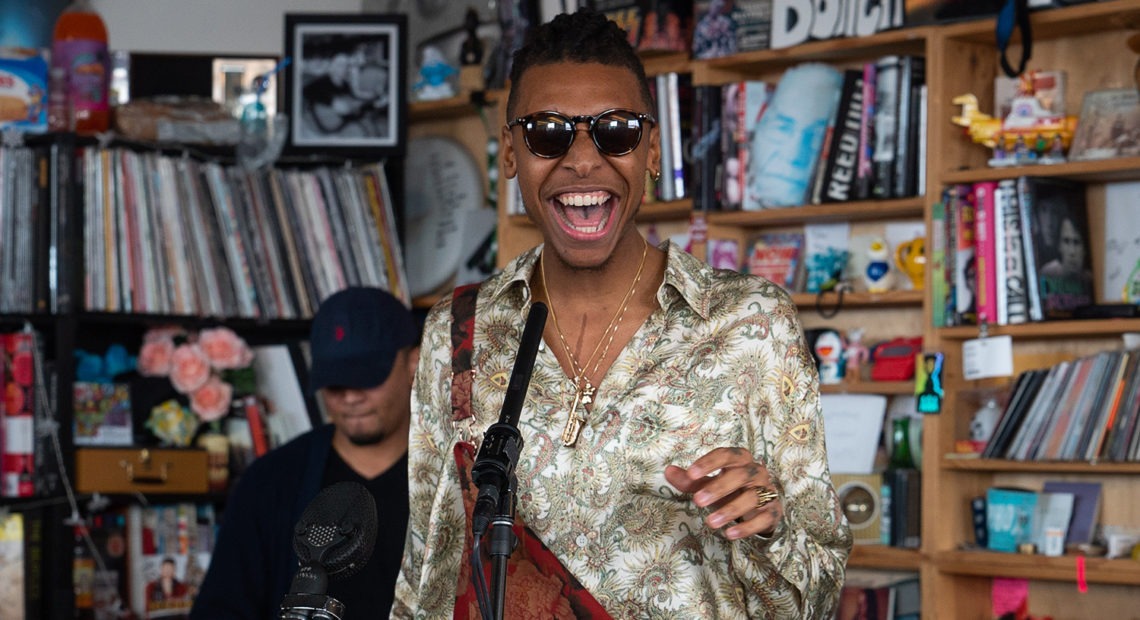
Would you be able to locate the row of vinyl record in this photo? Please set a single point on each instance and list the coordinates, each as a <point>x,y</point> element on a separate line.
<point>1011,251</point>
<point>1082,410</point>
<point>173,235</point>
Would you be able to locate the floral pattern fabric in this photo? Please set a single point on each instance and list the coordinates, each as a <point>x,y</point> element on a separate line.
<point>722,362</point>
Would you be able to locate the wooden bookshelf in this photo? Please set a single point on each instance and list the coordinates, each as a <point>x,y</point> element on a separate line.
<point>1033,566</point>
<point>884,557</point>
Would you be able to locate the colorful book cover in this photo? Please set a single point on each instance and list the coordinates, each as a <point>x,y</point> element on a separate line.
<point>725,27</point>
<point>1086,508</point>
<point>1009,518</point>
<point>965,261</point>
<point>838,184</point>
<point>102,414</point>
<point>19,418</point>
<point>985,251</point>
<point>776,256</point>
<point>1055,225</point>
<point>12,593</point>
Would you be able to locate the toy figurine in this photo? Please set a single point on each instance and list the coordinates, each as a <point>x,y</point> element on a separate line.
<point>877,275</point>
<point>829,351</point>
<point>910,257</point>
<point>1024,136</point>
<point>471,52</point>
<point>434,76</point>
<point>855,354</point>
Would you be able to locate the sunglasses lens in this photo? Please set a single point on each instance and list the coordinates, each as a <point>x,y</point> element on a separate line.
<point>548,135</point>
<point>617,133</point>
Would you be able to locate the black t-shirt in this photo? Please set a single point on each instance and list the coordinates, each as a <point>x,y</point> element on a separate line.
<point>369,593</point>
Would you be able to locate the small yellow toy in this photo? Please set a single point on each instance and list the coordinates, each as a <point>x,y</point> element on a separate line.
<point>1029,134</point>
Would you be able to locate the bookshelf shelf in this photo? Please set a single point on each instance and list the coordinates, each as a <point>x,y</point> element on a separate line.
<point>1042,467</point>
<point>866,210</point>
<point>904,41</point>
<point>1045,329</point>
<point>1064,568</point>
<point>1118,169</point>
<point>444,109</point>
<point>862,300</point>
<point>869,387</point>
<point>884,557</point>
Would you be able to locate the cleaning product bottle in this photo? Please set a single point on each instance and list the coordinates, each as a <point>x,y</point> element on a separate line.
<point>81,68</point>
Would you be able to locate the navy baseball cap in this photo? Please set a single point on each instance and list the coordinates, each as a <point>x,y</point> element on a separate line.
<point>355,337</point>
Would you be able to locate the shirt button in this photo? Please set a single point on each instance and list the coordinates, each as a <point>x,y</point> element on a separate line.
<point>588,432</point>
<point>581,540</point>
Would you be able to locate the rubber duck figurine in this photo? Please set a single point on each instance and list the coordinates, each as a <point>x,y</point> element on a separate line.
<point>878,271</point>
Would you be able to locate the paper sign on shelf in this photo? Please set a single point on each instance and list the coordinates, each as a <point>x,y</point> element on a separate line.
<point>987,357</point>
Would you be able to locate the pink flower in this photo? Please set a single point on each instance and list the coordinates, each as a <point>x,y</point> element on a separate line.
<point>224,348</point>
<point>212,400</point>
<point>155,356</point>
<point>189,368</point>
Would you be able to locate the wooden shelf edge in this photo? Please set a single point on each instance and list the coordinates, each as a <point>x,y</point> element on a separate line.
<point>956,463</point>
<point>462,104</point>
<point>828,48</point>
<point>868,387</point>
<point>1056,22</point>
<point>889,298</point>
<point>1115,169</point>
<point>884,557</point>
<point>1045,329</point>
<point>862,210</point>
<point>1064,568</point>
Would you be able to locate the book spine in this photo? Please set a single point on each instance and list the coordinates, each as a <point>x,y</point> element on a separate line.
<point>1025,209</point>
<point>937,263</point>
<point>864,174</point>
<point>665,187</point>
<point>911,78</point>
<point>985,252</point>
<point>19,415</point>
<point>1014,279</point>
<point>838,184</point>
<point>886,125</point>
<point>965,261</point>
<point>257,430</point>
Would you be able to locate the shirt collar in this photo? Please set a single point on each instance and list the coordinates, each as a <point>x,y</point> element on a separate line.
<point>686,278</point>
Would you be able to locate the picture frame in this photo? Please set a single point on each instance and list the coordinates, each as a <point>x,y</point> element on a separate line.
<point>1109,125</point>
<point>345,84</point>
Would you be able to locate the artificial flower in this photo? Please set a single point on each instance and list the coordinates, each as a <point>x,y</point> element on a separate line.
<point>189,368</point>
<point>212,400</point>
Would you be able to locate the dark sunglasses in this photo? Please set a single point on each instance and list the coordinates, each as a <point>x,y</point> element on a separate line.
<point>550,134</point>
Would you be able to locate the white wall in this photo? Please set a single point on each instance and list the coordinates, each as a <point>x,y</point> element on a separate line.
<point>207,26</point>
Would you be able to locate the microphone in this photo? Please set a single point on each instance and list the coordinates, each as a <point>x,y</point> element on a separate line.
<point>499,453</point>
<point>333,539</point>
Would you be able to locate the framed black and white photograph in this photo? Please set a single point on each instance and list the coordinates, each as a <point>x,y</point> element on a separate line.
<point>344,87</point>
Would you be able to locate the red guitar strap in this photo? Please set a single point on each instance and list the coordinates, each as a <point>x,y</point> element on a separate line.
<point>538,586</point>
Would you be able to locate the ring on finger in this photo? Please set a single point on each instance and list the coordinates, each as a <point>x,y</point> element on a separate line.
<point>765,496</point>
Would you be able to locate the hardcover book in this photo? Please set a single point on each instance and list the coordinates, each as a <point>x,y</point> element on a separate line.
<point>1055,231</point>
<point>102,414</point>
<point>776,256</point>
<point>1085,510</point>
<point>1009,518</point>
<point>838,184</point>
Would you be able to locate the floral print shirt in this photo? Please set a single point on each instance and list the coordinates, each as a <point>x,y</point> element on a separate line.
<point>721,363</point>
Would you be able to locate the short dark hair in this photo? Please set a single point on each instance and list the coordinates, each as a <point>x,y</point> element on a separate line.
<point>585,36</point>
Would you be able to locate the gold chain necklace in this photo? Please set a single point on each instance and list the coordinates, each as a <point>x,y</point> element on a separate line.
<point>583,389</point>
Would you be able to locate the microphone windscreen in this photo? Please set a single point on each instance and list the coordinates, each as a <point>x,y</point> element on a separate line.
<point>337,530</point>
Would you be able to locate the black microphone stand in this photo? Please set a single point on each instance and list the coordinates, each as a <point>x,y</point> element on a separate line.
<point>503,541</point>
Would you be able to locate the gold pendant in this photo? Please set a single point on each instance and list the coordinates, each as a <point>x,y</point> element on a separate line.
<point>582,398</point>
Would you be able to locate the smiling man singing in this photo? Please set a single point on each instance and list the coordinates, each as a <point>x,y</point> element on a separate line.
<point>673,462</point>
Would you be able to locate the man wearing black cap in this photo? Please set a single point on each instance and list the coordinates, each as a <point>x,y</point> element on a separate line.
<point>365,347</point>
